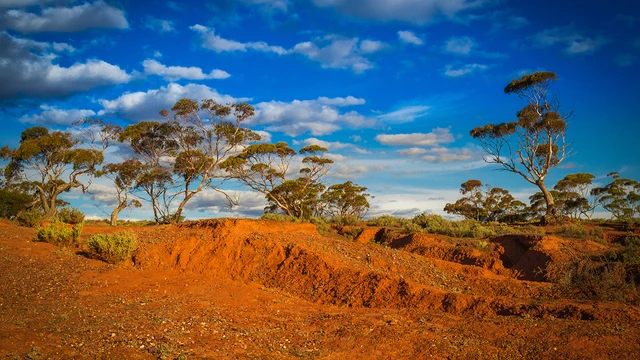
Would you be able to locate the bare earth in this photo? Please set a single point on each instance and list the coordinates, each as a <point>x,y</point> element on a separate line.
<point>269,290</point>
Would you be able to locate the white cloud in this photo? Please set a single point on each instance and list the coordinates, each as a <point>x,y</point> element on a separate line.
<point>353,171</point>
<point>570,39</point>
<point>214,203</point>
<point>467,69</point>
<point>371,46</point>
<point>334,145</point>
<point>142,106</point>
<point>62,47</point>
<point>27,68</point>
<point>335,52</point>
<point>459,45</point>
<point>410,38</point>
<point>96,15</point>
<point>172,73</point>
<point>445,155</point>
<point>23,3</point>
<point>413,11</point>
<point>218,44</point>
<point>53,116</point>
<point>318,117</point>
<point>406,114</point>
<point>159,24</point>
<point>157,54</point>
<point>412,152</point>
<point>435,137</point>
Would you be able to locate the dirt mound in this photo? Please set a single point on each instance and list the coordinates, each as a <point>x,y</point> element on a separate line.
<point>294,258</point>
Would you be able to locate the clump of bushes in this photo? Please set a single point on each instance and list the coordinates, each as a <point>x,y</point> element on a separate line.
<point>387,221</point>
<point>59,233</point>
<point>112,248</point>
<point>436,224</point>
<point>71,216</point>
<point>345,220</point>
<point>352,233</point>
<point>30,217</point>
<point>279,217</point>
<point>576,231</point>
<point>321,224</point>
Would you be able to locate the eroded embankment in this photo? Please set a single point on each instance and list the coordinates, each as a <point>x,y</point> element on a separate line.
<point>294,258</point>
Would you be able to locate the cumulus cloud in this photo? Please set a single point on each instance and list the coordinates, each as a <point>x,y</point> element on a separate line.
<point>24,3</point>
<point>53,116</point>
<point>467,69</point>
<point>444,155</point>
<point>459,45</point>
<point>27,68</point>
<point>218,44</point>
<point>410,38</point>
<point>405,114</point>
<point>172,73</point>
<point>435,137</point>
<point>214,203</point>
<point>318,117</point>
<point>418,12</point>
<point>336,52</point>
<point>354,171</point>
<point>96,15</point>
<point>159,25</point>
<point>570,39</point>
<point>140,106</point>
<point>412,152</point>
<point>371,46</point>
<point>334,145</point>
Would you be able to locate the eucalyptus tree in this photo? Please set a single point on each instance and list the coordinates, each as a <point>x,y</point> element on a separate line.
<point>346,200</point>
<point>183,154</point>
<point>492,204</point>
<point>124,176</point>
<point>50,163</point>
<point>577,196</point>
<point>535,142</point>
<point>265,168</point>
<point>621,197</point>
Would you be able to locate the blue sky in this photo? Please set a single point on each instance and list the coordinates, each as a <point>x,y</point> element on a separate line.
<point>392,88</point>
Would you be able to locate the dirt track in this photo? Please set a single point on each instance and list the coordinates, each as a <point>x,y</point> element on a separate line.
<point>256,289</point>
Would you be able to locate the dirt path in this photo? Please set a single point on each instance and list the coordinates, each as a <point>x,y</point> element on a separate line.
<point>244,290</point>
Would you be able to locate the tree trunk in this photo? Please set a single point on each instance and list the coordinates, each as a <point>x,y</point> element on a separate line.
<point>116,211</point>
<point>551,215</point>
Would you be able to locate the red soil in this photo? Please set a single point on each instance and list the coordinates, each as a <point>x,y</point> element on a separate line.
<point>259,289</point>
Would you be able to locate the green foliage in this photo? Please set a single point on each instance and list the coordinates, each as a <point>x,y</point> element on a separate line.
<point>494,204</point>
<point>71,216</point>
<point>346,200</point>
<point>352,233</point>
<point>12,201</point>
<point>535,142</point>
<point>279,217</point>
<point>321,224</point>
<point>112,248</point>
<point>621,197</point>
<point>577,231</point>
<point>345,220</point>
<point>58,233</point>
<point>387,221</point>
<point>436,224</point>
<point>30,217</point>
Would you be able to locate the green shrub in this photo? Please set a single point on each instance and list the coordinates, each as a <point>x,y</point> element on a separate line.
<point>436,224</point>
<point>345,220</point>
<point>321,224</point>
<point>352,233</point>
<point>71,216</point>
<point>412,228</point>
<point>30,218</point>
<point>576,231</point>
<point>279,217</point>
<point>58,233</point>
<point>387,221</point>
<point>112,248</point>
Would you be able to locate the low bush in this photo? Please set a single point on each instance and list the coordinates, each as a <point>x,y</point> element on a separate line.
<point>576,231</point>
<point>387,221</point>
<point>279,217</point>
<point>30,218</point>
<point>436,224</point>
<point>345,220</point>
<point>321,224</point>
<point>352,233</point>
<point>112,248</point>
<point>59,233</point>
<point>71,216</point>
<point>593,279</point>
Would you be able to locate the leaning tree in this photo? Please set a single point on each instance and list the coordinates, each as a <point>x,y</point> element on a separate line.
<point>535,142</point>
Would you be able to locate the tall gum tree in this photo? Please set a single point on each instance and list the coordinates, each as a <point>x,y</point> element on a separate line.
<point>51,163</point>
<point>533,144</point>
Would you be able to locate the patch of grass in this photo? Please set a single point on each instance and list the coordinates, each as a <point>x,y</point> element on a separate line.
<point>59,233</point>
<point>30,218</point>
<point>576,231</point>
<point>112,248</point>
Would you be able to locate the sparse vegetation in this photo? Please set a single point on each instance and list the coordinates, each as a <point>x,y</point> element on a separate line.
<point>71,216</point>
<point>112,248</point>
<point>577,231</point>
<point>30,218</point>
<point>59,233</point>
